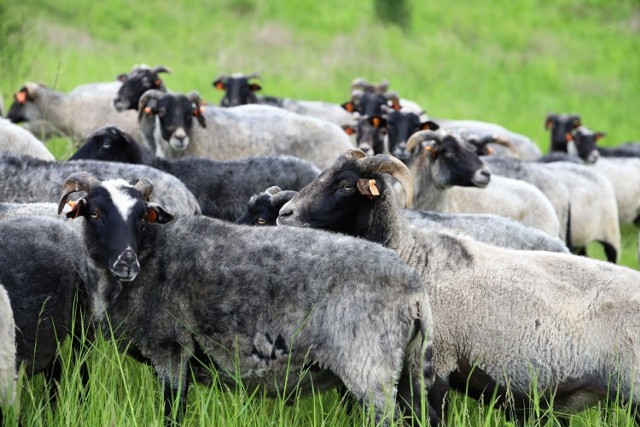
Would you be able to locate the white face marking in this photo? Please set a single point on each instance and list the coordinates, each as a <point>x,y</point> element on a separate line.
<point>122,201</point>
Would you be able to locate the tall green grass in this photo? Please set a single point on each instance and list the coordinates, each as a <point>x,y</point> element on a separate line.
<point>509,62</point>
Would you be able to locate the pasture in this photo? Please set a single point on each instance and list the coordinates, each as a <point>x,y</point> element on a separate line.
<point>508,62</point>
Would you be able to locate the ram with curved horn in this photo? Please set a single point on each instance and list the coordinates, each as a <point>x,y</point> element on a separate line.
<point>542,296</point>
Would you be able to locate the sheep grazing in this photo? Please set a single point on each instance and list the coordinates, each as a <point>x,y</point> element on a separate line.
<point>140,79</point>
<point>25,179</point>
<point>73,114</point>
<point>43,269</point>
<point>222,188</point>
<point>167,124</point>
<point>15,139</point>
<point>573,337</point>
<point>446,170</point>
<point>271,306</point>
<point>8,374</point>
<point>239,89</point>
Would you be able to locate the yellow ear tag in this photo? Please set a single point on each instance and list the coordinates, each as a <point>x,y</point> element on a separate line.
<point>71,203</point>
<point>373,188</point>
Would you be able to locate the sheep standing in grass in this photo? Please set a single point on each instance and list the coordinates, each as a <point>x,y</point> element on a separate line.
<point>275,307</point>
<point>222,188</point>
<point>43,269</point>
<point>7,351</point>
<point>450,177</point>
<point>505,322</point>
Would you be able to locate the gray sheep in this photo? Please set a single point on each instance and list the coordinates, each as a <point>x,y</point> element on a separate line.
<point>8,373</point>
<point>450,177</point>
<point>72,114</point>
<point>168,123</point>
<point>505,322</point>
<point>25,179</point>
<point>15,139</point>
<point>258,302</point>
<point>43,269</point>
<point>496,230</point>
<point>222,188</point>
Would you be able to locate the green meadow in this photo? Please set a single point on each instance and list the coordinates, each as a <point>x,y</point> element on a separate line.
<point>503,61</point>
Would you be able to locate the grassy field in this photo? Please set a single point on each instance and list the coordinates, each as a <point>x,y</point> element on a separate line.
<point>509,62</point>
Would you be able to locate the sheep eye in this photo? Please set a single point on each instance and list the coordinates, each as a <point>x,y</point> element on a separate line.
<point>262,221</point>
<point>94,214</point>
<point>348,187</point>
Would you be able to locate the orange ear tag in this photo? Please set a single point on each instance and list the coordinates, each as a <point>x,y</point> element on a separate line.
<point>375,122</point>
<point>21,97</point>
<point>568,137</point>
<point>152,216</point>
<point>350,131</point>
<point>219,86</point>
<point>373,188</point>
<point>148,111</point>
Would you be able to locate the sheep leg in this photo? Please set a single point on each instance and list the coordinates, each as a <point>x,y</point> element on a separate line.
<point>172,372</point>
<point>410,398</point>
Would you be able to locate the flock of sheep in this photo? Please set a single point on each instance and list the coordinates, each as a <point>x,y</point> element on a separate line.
<point>412,255</point>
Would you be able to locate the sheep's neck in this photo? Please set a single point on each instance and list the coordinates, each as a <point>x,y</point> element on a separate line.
<point>429,195</point>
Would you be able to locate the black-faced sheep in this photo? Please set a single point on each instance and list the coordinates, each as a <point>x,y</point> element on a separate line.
<point>263,302</point>
<point>167,124</point>
<point>572,335</point>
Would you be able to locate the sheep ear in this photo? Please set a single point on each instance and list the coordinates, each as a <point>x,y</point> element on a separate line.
<point>395,103</point>
<point>367,187</point>
<point>549,120</point>
<point>432,149</point>
<point>349,130</point>
<point>254,87</point>
<point>22,96</point>
<point>157,82</point>
<point>350,106</point>
<point>78,208</point>
<point>219,84</point>
<point>121,77</point>
<point>600,135</point>
<point>378,122</point>
<point>157,215</point>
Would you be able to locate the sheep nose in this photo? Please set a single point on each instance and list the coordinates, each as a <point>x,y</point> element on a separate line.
<point>126,266</point>
<point>285,212</point>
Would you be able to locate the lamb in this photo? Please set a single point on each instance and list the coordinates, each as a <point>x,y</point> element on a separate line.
<point>25,179</point>
<point>572,335</point>
<point>15,139</point>
<point>166,123</point>
<point>240,90</point>
<point>302,300</point>
<point>43,269</point>
<point>445,170</point>
<point>74,114</point>
<point>495,230</point>
<point>222,188</point>
<point>8,374</point>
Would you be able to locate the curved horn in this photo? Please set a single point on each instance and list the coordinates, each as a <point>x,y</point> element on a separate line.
<point>356,94</point>
<point>421,135</point>
<point>501,140</point>
<point>385,163</point>
<point>273,190</point>
<point>148,95</point>
<point>382,86</point>
<point>253,76</point>
<point>360,83</point>
<point>160,69</point>
<point>145,186</point>
<point>78,181</point>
